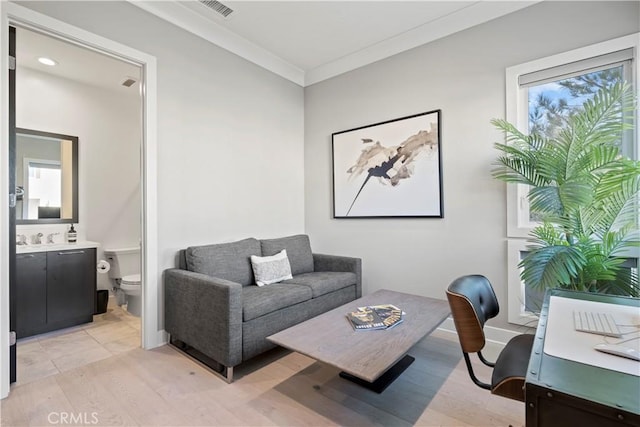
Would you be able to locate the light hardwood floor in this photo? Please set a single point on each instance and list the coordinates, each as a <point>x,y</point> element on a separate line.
<point>49,354</point>
<point>279,388</point>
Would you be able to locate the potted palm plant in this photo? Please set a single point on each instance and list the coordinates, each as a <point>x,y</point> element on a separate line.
<point>585,194</point>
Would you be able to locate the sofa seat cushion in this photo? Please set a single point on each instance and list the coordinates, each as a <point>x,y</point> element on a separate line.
<point>229,261</point>
<point>323,282</point>
<point>298,250</point>
<point>258,301</point>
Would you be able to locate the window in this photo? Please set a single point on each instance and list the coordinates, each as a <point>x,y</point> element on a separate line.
<point>523,303</point>
<point>42,189</point>
<point>540,94</point>
<point>552,94</point>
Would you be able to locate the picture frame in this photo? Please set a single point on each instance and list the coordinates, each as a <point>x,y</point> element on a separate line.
<point>391,169</point>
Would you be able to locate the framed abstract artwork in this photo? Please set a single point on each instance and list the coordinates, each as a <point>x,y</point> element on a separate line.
<point>391,169</point>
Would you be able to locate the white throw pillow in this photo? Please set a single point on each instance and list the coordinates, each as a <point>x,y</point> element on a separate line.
<point>271,269</point>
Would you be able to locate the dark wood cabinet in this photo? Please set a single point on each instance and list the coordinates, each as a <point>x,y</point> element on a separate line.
<point>55,290</point>
<point>71,286</point>
<point>31,293</point>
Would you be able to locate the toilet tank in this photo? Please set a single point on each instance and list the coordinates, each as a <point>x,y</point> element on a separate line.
<point>124,261</point>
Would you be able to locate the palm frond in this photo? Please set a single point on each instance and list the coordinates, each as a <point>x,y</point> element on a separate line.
<point>625,283</point>
<point>616,200</point>
<point>619,242</point>
<point>574,194</point>
<point>551,161</point>
<point>623,177</point>
<point>599,158</point>
<point>516,138</point>
<point>551,267</point>
<point>601,120</point>
<point>515,170</point>
<point>546,200</point>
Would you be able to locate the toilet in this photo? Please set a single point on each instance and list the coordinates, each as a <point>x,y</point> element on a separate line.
<point>125,275</point>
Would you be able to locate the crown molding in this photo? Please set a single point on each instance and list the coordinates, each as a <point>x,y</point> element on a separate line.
<point>174,13</point>
<point>475,14</point>
<point>206,28</point>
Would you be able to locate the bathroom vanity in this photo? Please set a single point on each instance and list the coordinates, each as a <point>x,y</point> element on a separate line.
<point>55,286</point>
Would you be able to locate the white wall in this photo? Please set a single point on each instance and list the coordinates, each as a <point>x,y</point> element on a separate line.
<point>463,75</point>
<point>108,126</point>
<point>230,134</point>
<point>231,163</point>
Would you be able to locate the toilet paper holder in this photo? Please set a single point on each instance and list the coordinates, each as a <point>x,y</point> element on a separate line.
<point>103,266</point>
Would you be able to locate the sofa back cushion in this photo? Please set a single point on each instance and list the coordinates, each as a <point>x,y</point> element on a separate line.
<point>229,261</point>
<point>298,250</point>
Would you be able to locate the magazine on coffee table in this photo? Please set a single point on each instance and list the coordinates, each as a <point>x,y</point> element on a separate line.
<point>365,319</point>
<point>375,317</point>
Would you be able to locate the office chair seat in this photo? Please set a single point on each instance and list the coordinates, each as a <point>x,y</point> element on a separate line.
<point>510,369</point>
<point>473,302</point>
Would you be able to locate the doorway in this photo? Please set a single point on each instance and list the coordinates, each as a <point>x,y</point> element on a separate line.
<point>67,89</point>
<point>16,15</point>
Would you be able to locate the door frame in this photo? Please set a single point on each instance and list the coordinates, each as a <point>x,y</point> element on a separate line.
<point>13,361</point>
<point>10,13</point>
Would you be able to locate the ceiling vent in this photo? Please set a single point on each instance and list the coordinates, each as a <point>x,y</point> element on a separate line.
<point>218,7</point>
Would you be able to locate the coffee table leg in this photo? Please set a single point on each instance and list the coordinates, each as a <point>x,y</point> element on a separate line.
<point>385,379</point>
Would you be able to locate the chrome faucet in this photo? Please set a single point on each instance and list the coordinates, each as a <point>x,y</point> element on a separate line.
<point>37,239</point>
<point>50,237</point>
<point>21,239</point>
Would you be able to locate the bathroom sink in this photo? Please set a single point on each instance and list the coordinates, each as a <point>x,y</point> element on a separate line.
<point>46,247</point>
<point>58,246</point>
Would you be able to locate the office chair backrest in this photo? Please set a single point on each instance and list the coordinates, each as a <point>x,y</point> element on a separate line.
<point>472,302</point>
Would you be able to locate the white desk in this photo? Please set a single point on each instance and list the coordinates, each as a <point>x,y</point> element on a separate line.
<point>562,340</point>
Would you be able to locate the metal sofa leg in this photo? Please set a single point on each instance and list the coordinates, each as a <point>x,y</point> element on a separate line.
<point>216,368</point>
<point>226,373</point>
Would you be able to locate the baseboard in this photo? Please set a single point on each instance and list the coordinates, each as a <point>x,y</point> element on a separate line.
<point>155,339</point>
<point>492,334</point>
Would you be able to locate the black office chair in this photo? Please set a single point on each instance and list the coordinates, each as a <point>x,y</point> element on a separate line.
<point>473,302</point>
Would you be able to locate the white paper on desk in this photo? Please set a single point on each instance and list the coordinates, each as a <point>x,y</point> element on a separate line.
<point>562,340</point>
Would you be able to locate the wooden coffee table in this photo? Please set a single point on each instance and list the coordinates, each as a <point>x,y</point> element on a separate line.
<point>372,358</point>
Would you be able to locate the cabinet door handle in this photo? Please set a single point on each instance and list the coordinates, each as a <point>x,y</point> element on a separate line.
<point>71,253</point>
<point>26,256</point>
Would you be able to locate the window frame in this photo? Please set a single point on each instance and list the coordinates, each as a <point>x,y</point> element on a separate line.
<point>517,314</point>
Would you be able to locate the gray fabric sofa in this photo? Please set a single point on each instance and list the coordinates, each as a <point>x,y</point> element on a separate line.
<point>213,305</point>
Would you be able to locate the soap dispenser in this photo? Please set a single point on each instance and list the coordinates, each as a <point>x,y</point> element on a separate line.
<point>72,235</point>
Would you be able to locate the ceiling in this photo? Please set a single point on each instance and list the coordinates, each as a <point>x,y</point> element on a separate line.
<point>303,41</point>
<point>311,34</point>
<point>310,41</point>
<point>74,62</point>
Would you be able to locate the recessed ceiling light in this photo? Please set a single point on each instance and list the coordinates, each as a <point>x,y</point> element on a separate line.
<point>47,61</point>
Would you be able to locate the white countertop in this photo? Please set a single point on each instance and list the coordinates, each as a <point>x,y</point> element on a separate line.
<point>25,249</point>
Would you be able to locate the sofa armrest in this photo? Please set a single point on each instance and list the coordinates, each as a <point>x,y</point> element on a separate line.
<point>206,313</point>
<point>322,262</point>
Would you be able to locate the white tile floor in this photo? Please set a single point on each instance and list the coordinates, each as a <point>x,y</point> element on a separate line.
<point>113,332</point>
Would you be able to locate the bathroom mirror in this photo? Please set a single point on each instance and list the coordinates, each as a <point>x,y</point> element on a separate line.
<point>46,177</point>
